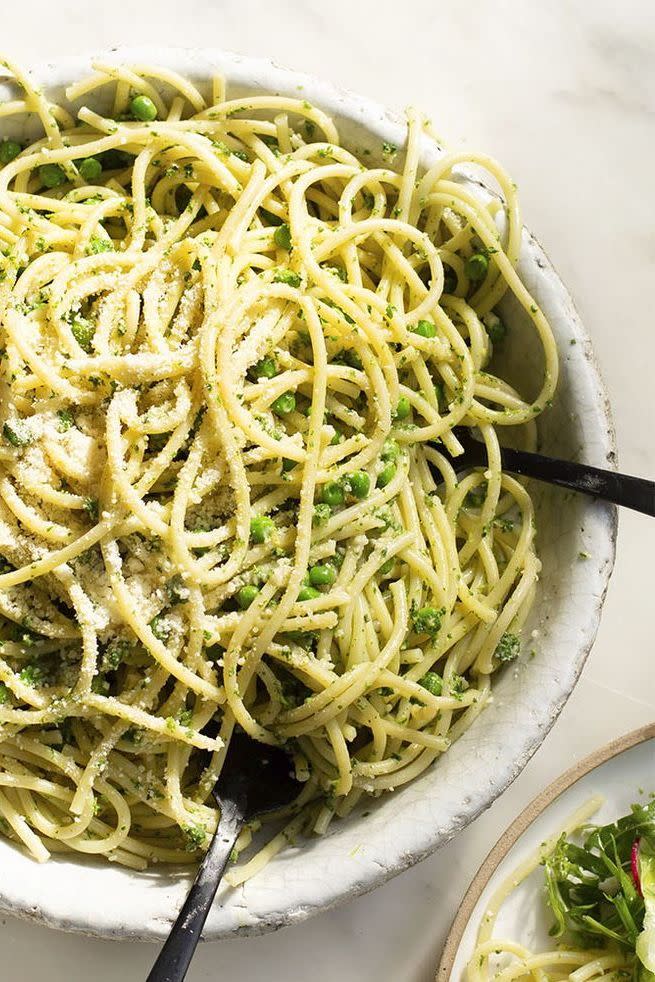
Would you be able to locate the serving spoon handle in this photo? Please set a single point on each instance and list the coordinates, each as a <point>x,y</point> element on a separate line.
<point>621,489</point>
<point>175,957</point>
<point>256,779</point>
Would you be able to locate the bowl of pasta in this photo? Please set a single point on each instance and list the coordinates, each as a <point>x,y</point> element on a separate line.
<point>243,313</point>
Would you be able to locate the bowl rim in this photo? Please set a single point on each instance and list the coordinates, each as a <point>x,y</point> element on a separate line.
<point>382,123</point>
<point>519,826</point>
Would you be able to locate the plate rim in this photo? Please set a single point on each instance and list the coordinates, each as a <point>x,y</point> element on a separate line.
<point>511,835</point>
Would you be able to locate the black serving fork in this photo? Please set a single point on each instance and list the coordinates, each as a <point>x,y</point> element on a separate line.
<point>621,489</point>
<point>256,779</point>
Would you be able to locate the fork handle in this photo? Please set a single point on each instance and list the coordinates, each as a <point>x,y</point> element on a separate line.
<point>175,957</point>
<point>621,489</point>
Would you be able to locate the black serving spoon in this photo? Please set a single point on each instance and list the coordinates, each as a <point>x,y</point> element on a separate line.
<point>631,492</point>
<point>255,779</point>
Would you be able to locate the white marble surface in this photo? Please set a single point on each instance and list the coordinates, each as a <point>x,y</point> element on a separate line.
<point>564,94</point>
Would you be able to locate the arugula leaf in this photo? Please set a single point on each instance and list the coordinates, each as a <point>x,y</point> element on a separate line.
<point>591,891</point>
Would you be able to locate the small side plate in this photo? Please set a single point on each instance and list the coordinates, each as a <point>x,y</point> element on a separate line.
<point>622,772</point>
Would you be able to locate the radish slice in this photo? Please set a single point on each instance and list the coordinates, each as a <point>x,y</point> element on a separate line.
<point>634,862</point>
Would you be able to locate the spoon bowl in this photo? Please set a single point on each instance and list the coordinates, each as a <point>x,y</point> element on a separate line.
<point>256,779</point>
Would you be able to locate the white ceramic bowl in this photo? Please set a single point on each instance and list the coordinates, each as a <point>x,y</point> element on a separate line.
<point>360,853</point>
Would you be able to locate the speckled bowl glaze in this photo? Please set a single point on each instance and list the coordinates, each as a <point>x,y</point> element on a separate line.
<point>360,853</point>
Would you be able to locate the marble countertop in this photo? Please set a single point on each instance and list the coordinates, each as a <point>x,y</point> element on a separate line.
<point>564,94</point>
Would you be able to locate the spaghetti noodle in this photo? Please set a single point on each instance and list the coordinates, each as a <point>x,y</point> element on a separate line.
<point>232,359</point>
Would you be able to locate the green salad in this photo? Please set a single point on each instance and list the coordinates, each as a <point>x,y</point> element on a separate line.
<point>603,891</point>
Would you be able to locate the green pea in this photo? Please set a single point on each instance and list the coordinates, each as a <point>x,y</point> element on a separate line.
<point>322,575</point>
<point>51,175</point>
<point>390,450</point>
<point>90,169</point>
<point>432,682</point>
<point>426,329</point>
<point>284,404</point>
<point>9,150</point>
<point>287,276</point>
<point>359,483</point>
<point>246,595</point>
<point>333,494</point>
<point>321,515</point>
<point>282,237</point>
<point>261,528</point>
<point>143,108</point>
<point>476,267</point>
<point>386,475</point>
<point>404,408</point>
<point>308,593</point>
<point>83,331</point>
<point>428,620</point>
<point>266,368</point>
